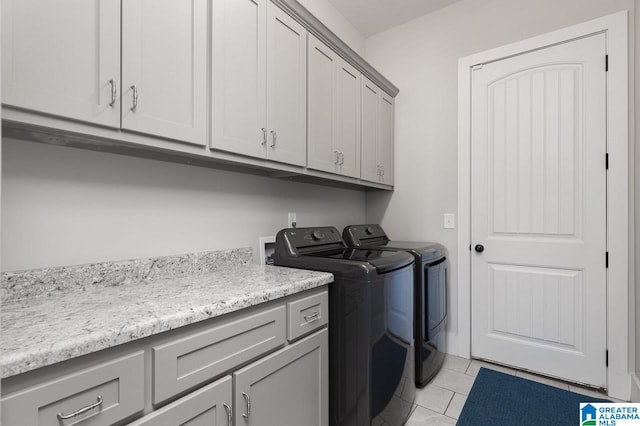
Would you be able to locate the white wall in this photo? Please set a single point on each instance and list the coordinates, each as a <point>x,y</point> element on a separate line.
<point>336,22</point>
<point>421,58</point>
<point>64,206</point>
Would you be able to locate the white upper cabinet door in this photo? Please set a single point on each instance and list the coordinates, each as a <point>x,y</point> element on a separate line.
<point>239,77</point>
<point>386,138</point>
<point>348,125</point>
<point>322,101</point>
<point>164,68</point>
<point>286,88</point>
<point>62,58</point>
<point>370,169</point>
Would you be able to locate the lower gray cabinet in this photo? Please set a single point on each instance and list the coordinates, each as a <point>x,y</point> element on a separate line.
<point>287,388</point>
<point>98,396</point>
<point>208,406</point>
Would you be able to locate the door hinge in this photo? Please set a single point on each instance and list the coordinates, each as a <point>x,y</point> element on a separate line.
<point>606,358</point>
<point>606,161</point>
<point>469,247</point>
<point>606,63</point>
<point>606,260</point>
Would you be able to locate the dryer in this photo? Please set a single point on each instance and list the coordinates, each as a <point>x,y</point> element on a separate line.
<point>430,293</point>
<point>371,365</point>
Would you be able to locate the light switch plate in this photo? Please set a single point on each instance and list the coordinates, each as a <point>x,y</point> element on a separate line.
<point>449,221</point>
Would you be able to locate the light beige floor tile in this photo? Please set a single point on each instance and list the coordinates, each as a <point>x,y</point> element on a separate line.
<point>454,381</point>
<point>455,407</point>
<point>422,416</point>
<point>434,398</point>
<point>456,363</point>
<point>475,365</point>
<point>545,380</point>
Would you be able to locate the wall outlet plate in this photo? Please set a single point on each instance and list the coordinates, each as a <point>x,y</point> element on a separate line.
<point>449,221</point>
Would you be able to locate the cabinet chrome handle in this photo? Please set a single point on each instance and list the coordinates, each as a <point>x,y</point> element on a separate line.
<point>227,408</point>
<point>248,401</point>
<point>114,92</point>
<point>264,136</point>
<point>314,316</point>
<point>135,98</point>
<point>82,410</point>
<point>341,159</point>
<point>336,157</point>
<point>379,171</point>
<point>274,135</point>
<point>382,169</point>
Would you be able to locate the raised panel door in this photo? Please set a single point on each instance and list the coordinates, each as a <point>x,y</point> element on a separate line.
<point>348,125</point>
<point>62,58</point>
<point>239,77</point>
<point>164,68</point>
<point>369,162</point>
<point>322,101</point>
<point>286,88</point>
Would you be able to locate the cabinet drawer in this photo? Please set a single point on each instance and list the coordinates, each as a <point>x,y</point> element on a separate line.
<point>188,362</point>
<point>308,314</point>
<point>119,384</point>
<point>204,406</point>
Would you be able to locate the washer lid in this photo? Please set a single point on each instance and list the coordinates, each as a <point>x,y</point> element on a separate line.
<point>383,260</point>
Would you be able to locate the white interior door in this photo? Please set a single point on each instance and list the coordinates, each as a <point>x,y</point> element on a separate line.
<point>538,202</point>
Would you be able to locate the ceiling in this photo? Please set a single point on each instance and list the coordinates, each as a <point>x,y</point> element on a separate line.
<point>373,16</point>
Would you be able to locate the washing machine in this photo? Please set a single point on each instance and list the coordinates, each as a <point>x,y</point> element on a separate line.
<point>430,293</point>
<point>371,364</point>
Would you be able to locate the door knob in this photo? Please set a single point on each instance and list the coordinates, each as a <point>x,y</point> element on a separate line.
<point>479,248</point>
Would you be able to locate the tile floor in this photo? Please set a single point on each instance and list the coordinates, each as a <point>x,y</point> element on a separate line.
<point>441,401</point>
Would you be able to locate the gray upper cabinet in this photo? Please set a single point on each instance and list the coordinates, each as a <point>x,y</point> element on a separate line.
<point>259,81</point>
<point>334,112</point>
<point>287,388</point>
<point>65,68</point>
<point>377,134</point>
<point>63,58</point>
<point>164,68</point>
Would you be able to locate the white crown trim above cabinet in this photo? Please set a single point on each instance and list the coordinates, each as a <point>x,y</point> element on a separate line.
<point>196,82</point>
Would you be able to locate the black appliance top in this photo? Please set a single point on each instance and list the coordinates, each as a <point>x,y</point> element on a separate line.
<point>314,247</point>
<point>373,236</point>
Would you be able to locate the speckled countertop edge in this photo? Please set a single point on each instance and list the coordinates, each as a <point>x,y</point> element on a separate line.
<point>40,331</point>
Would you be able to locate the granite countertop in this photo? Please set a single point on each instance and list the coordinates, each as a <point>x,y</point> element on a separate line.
<point>65,320</point>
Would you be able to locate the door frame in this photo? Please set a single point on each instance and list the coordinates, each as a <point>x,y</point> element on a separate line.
<point>620,288</point>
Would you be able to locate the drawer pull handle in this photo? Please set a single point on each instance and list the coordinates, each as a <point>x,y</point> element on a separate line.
<point>275,135</point>
<point>248,401</point>
<point>264,136</point>
<point>314,316</point>
<point>227,408</point>
<point>82,410</point>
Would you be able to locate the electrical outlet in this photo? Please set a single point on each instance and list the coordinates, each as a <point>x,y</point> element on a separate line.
<point>291,220</point>
<point>449,221</point>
